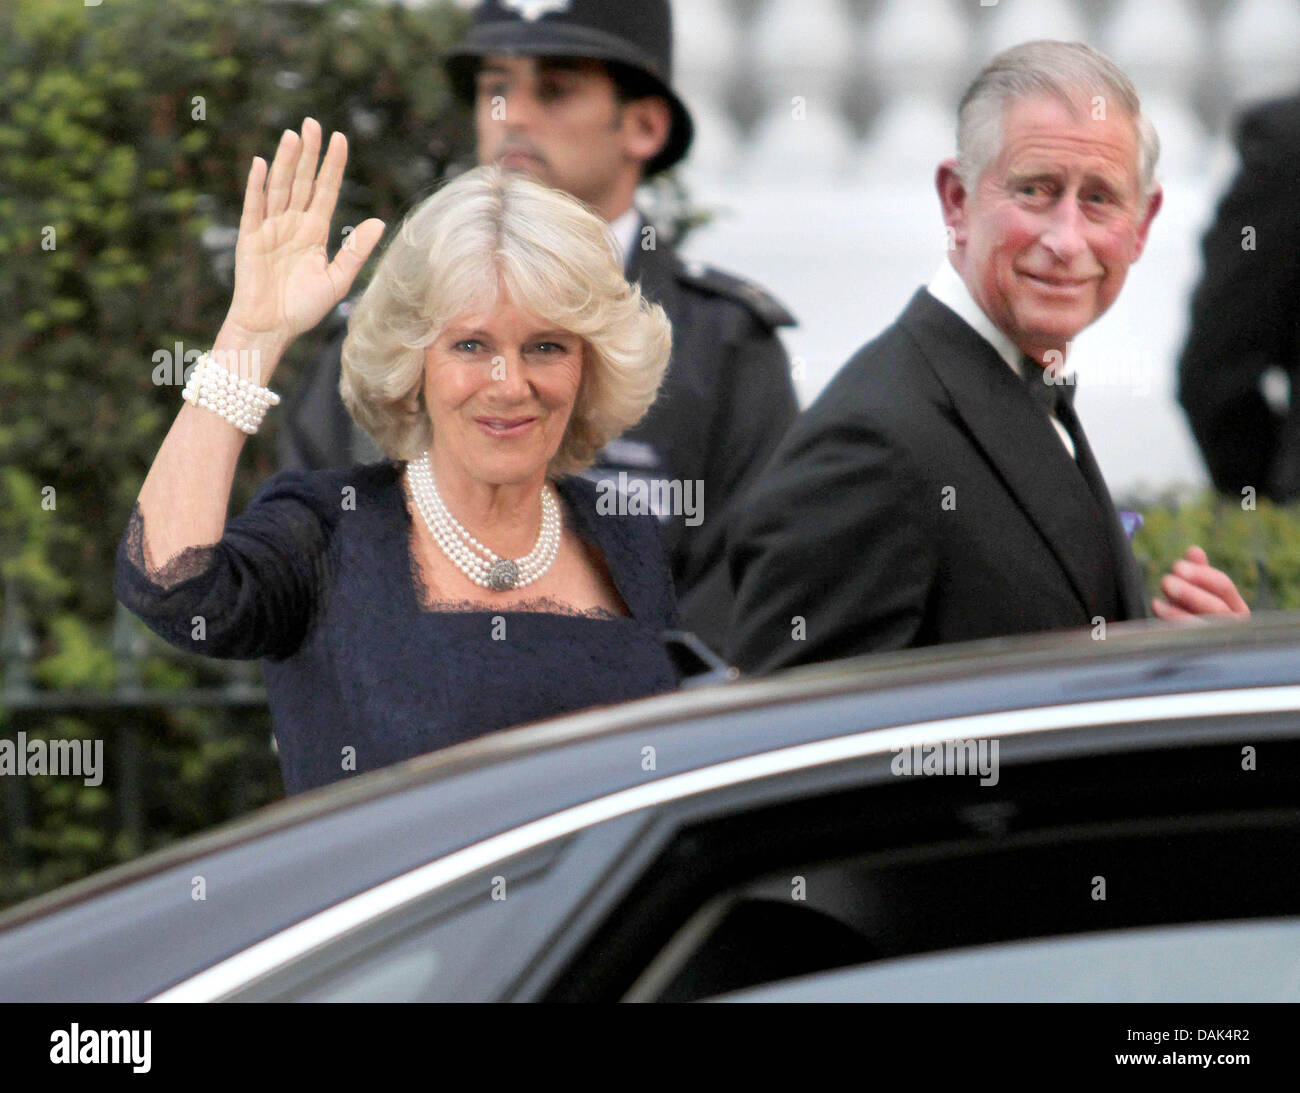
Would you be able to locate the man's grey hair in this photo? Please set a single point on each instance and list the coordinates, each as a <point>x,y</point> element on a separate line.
<point>1070,71</point>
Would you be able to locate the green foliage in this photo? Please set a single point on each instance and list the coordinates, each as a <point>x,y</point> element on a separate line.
<point>126,134</point>
<point>79,661</point>
<point>164,776</point>
<point>1259,548</point>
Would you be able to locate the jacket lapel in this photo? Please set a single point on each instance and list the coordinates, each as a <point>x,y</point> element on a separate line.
<point>1020,443</point>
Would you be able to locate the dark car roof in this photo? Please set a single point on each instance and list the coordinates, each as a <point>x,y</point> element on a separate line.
<point>1126,662</point>
<point>320,847</point>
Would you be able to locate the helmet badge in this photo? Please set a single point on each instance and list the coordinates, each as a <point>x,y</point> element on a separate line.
<point>532,10</point>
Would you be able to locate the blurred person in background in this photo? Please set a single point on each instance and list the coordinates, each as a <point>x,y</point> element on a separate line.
<point>941,488</point>
<point>579,95</point>
<point>1246,317</point>
<point>466,582</point>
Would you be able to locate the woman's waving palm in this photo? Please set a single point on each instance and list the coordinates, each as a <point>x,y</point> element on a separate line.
<point>285,282</point>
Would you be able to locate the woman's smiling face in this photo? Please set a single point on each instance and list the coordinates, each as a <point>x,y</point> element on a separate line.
<point>500,386</point>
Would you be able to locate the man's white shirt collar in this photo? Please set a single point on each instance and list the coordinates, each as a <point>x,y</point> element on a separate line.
<point>949,289</point>
<point>625,231</point>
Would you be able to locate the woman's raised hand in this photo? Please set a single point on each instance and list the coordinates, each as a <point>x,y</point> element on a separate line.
<point>284,281</point>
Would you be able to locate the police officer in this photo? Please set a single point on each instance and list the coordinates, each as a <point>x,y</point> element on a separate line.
<point>578,94</point>
<point>1246,316</point>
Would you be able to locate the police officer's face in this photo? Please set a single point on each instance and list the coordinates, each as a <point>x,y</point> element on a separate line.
<point>1046,239</point>
<point>561,122</point>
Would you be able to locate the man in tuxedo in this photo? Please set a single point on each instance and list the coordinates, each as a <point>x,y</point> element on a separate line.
<point>1246,316</point>
<point>941,488</point>
<point>578,94</point>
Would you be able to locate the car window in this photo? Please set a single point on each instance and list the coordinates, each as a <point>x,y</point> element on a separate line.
<point>465,941</point>
<point>850,866</point>
<point>1245,961</point>
<point>430,951</point>
<point>444,957</point>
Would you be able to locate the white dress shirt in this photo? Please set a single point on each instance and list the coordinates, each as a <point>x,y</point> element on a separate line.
<point>625,231</point>
<point>949,289</point>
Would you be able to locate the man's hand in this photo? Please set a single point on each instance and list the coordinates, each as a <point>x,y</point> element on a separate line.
<point>1195,587</point>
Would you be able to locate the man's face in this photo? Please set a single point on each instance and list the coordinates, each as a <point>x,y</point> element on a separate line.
<point>558,120</point>
<point>1045,241</point>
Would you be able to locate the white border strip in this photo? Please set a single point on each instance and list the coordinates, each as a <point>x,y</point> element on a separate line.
<point>295,941</point>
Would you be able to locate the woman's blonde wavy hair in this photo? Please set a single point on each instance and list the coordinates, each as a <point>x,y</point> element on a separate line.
<point>555,258</point>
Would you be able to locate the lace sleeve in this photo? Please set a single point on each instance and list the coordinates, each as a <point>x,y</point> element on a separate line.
<point>188,564</point>
<point>254,593</point>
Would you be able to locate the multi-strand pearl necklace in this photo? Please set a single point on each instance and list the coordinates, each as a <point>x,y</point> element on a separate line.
<point>481,565</point>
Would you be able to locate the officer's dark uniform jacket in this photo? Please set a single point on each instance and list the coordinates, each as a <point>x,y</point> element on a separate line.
<point>725,403</point>
<point>1246,315</point>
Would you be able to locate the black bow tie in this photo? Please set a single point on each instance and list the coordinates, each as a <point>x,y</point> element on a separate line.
<point>1050,387</point>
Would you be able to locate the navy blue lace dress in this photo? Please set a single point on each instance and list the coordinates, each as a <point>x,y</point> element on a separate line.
<point>316,577</point>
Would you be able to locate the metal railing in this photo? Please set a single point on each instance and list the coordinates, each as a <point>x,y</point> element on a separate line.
<point>24,706</point>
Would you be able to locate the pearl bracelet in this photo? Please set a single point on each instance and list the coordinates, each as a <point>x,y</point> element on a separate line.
<point>237,399</point>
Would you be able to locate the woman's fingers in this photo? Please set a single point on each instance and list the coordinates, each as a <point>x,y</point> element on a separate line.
<point>300,193</point>
<point>330,179</point>
<point>254,198</point>
<point>280,183</point>
<point>353,254</point>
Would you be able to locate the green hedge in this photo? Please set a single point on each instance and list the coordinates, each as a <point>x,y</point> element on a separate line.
<point>1256,543</point>
<point>126,132</point>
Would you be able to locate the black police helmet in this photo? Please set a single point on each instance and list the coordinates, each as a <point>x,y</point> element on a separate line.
<point>637,34</point>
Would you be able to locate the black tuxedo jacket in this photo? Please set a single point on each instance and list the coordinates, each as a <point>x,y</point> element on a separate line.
<point>924,498</point>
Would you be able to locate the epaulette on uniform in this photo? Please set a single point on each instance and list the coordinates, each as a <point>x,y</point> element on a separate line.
<point>762,303</point>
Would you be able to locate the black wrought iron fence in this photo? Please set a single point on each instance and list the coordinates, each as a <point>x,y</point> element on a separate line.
<point>118,716</point>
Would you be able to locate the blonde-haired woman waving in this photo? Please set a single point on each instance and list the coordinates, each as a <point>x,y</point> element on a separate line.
<point>469,581</point>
